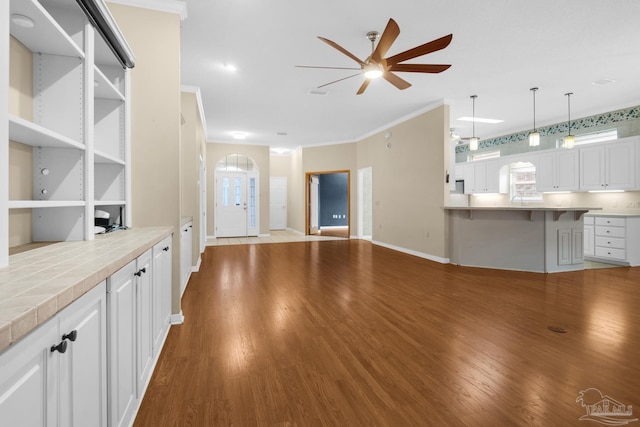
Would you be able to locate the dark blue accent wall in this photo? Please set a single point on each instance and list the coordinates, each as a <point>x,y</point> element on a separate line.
<point>334,199</point>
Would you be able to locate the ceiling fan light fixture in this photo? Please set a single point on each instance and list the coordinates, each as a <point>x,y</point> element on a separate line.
<point>372,71</point>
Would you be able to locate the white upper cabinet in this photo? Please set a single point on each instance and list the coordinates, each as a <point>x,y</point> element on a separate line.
<point>609,166</point>
<point>557,170</point>
<point>482,177</point>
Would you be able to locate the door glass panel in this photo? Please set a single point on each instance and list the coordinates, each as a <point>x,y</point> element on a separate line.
<point>225,191</point>
<point>252,202</point>
<point>238,187</point>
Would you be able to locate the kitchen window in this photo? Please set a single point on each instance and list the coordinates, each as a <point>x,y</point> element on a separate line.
<point>522,179</point>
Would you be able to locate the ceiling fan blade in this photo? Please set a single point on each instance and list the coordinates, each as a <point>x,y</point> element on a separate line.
<point>389,35</point>
<point>341,49</point>
<point>363,87</point>
<point>420,68</point>
<point>395,80</point>
<point>328,68</point>
<point>432,46</point>
<point>339,80</point>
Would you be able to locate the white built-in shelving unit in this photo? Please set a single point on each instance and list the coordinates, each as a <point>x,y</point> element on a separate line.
<point>79,134</point>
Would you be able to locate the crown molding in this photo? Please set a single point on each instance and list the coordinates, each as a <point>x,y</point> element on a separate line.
<point>196,91</point>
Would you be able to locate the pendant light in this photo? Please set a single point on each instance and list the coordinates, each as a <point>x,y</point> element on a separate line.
<point>473,141</point>
<point>569,141</point>
<point>534,137</point>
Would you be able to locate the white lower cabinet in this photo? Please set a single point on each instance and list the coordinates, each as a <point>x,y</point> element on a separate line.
<point>121,301</point>
<point>138,307</point>
<point>589,239</point>
<point>57,375</point>
<point>161,309</point>
<point>614,239</point>
<point>186,240</point>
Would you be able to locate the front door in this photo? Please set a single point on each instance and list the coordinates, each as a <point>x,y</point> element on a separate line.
<point>231,204</point>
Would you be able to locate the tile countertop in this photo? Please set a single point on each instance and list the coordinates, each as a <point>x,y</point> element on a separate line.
<point>39,283</point>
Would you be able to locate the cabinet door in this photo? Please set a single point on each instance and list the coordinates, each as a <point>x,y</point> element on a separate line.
<point>480,178</point>
<point>144,320</point>
<point>468,172</point>
<point>492,176</point>
<point>546,172</point>
<point>27,379</point>
<point>160,282</point>
<point>589,240</point>
<point>564,246</point>
<point>592,174</point>
<point>167,274</point>
<point>577,246</point>
<point>620,173</point>
<point>121,319</point>
<point>83,368</point>
<point>566,170</point>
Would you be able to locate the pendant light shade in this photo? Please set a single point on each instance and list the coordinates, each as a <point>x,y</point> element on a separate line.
<point>534,137</point>
<point>473,141</point>
<point>569,141</point>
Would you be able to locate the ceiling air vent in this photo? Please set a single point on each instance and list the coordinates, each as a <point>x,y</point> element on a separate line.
<point>318,92</point>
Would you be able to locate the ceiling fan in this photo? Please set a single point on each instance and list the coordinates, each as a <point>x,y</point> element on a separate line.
<point>378,66</point>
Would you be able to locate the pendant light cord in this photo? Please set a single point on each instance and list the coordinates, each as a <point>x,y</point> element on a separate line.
<point>473,122</point>
<point>534,107</point>
<point>569,109</point>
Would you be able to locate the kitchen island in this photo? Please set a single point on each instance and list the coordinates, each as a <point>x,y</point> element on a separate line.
<point>537,239</point>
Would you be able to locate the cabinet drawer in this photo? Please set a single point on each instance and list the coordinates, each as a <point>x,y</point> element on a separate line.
<point>588,220</point>
<point>610,253</point>
<point>614,222</point>
<point>609,231</point>
<point>610,242</point>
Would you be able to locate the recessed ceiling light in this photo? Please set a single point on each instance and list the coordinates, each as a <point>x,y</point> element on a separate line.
<point>603,82</point>
<point>280,150</point>
<point>480,120</point>
<point>281,133</point>
<point>239,135</point>
<point>229,67</point>
<point>22,21</point>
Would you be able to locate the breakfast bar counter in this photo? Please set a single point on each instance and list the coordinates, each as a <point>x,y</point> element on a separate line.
<point>523,238</point>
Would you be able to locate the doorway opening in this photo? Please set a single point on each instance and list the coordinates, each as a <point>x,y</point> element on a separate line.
<point>327,199</point>
<point>237,204</point>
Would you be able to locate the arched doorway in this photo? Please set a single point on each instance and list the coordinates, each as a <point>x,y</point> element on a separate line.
<point>237,205</point>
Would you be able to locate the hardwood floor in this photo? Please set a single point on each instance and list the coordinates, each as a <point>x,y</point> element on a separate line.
<point>346,333</point>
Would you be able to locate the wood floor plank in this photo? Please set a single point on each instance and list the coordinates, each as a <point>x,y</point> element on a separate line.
<point>346,333</point>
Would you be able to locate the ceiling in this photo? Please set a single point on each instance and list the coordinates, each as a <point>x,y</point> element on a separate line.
<point>500,49</point>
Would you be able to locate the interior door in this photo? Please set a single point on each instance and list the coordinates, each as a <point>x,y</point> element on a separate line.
<point>314,204</point>
<point>231,204</point>
<point>278,203</point>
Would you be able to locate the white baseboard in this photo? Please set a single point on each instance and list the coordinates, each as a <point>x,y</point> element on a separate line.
<point>177,319</point>
<point>186,283</point>
<point>412,252</point>
<point>196,268</point>
<point>295,231</point>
